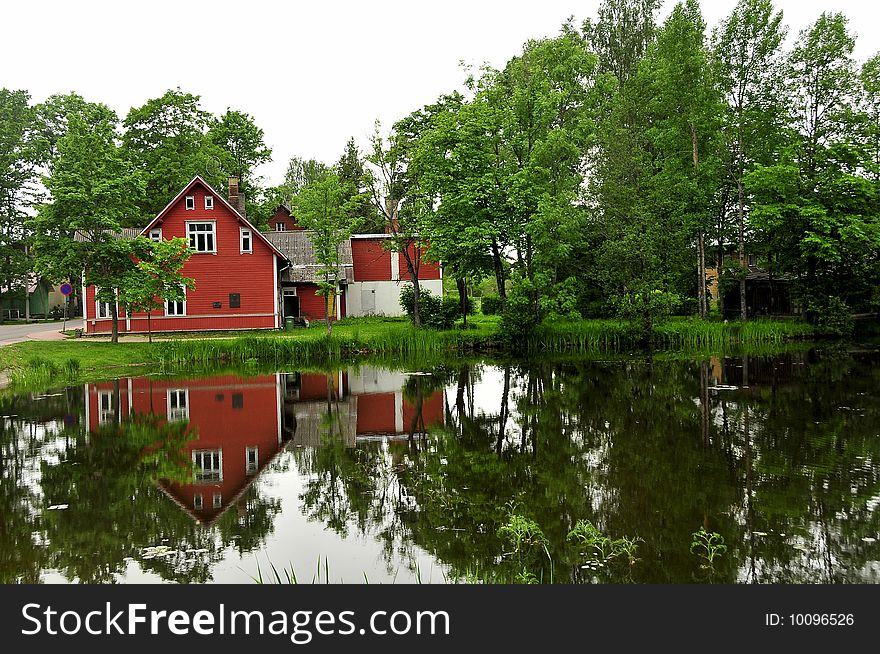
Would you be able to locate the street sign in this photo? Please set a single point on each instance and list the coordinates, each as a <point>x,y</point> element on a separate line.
<point>66,289</point>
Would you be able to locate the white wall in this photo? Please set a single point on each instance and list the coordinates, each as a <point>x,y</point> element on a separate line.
<point>385,297</point>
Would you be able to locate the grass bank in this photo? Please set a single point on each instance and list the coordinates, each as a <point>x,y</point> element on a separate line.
<point>35,364</point>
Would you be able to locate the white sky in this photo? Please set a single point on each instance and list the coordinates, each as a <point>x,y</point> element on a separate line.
<point>311,74</point>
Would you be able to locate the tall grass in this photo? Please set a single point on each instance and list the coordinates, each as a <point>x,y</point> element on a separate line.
<point>615,335</point>
<point>280,350</point>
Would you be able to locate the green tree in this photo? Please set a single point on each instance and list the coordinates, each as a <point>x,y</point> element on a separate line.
<point>815,204</point>
<point>79,230</point>
<point>156,277</point>
<point>746,57</point>
<point>351,173</point>
<point>166,141</point>
<point>621,35</point>
<point>18,162</point>
<point>241,148</point>
<point>300,173</point>
<point>323,208</point>
<point>402,205</point>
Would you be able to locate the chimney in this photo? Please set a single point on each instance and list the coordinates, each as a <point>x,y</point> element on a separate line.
<point>391,210</point>
<point>236,199</point>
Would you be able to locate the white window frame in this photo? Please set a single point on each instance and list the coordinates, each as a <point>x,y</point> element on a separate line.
<point>244,233</point>
<point>208,475</point>
<point>100,304</point>
<point>178,411</point>
<point>176,304</point>
<point>108,414</point>
<point>156,234</point>
<point>250,467</point>
<point>279,227</point>
<point>217,500</point>
<point>198,502</point>
<point>192,237</point>
<point>190,202</point>
<point>209,202</point>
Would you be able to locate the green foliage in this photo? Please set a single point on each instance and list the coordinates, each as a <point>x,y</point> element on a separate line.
<point>707,545</point>
<point>598,550</point>
<point>491,305</point>
<point>831,315</point>
<point>431,308</point>
<point>519,320</point>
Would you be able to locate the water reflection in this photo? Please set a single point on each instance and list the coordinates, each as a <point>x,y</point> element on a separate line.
<point>187,479</point>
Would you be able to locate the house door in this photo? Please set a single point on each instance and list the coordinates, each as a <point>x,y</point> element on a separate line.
<point>291,303</point>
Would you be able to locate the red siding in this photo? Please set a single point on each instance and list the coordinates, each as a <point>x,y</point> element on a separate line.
<point>432,412</point>
<point>372,262</point>
<point>375,414</point>
<point>311,305</point>
<point>427,269</point>
<point>216,276</point>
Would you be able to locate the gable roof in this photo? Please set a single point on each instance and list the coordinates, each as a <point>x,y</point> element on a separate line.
<point>298,249</point>
<point>217,196</point>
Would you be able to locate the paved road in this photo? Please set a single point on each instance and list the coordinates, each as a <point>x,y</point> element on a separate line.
<point>43,331</point>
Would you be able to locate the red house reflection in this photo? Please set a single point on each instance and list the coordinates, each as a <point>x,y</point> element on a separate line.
<point>242,423</point>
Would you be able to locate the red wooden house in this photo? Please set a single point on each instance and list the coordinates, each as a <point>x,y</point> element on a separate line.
<point>247,279</point>
<point>234,267</point>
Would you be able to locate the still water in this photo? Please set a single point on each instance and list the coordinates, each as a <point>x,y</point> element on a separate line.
<point>758,469</point>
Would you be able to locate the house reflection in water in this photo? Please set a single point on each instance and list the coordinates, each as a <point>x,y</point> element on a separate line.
<point>242,423</point>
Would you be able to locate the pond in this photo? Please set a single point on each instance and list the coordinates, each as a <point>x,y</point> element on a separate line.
<point>629,469</point>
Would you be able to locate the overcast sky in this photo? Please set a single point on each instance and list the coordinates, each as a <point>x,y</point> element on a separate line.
<point>311,73</point>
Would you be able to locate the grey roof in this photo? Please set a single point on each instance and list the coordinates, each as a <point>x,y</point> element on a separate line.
<point>297,247</point>
<point>126,234</point>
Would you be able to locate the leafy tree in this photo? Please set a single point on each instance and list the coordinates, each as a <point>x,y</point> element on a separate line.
<point>18,161</point>
<point>241,148</point>
<point>815,204</point>
<point>156,277</point>
<point>351,172</point>
<point>323,208</point>
<point>621,35</point>
<point>300,173</point>
<point>167,143</point>
<point>91,188</point>
<point>402,205</point>
<point>746,58</point>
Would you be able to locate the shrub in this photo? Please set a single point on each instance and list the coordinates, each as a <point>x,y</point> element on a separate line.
<point>491,305</point>
<point>831,315</point>
<point>520,317</point>
<point>430,306</point>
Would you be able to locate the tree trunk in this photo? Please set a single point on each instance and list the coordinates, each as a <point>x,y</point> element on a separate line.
<point>499,270</point>
<point>701,273</point>
<point>741,248</point>
<point>149,327</point>
<point>327,314</point>
<point>462,297</point>
<point>720,272</point>
<point>114,321</point>
<point>417,291</point>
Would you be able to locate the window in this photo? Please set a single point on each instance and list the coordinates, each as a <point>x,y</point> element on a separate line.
<point>201,236</point>
<point>178,404</point>
<point>208,465</point>
<point>237,401</point>
<point>235,300</point>
<point>102,309</point>
<point>106,407</point>
<point>246,241</point>
<point>217,500</point>
<point>753,259</point>
<point>156,234</point>
<point>279,227</point>
<point>209,202</point>
<point>252,459</point>
<point>176,307</point>
<point>198,503</point>
<point>190,202</point>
